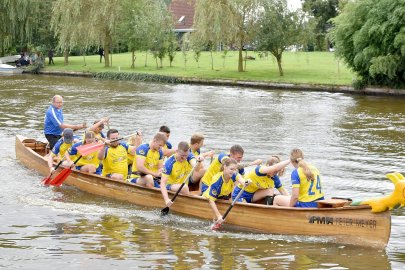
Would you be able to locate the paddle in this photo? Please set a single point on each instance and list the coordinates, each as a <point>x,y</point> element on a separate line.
<point>86,149</point>
<point>63,175</point>
<point>217,225</point>
<point>166,210</point>
<point>48,179</point>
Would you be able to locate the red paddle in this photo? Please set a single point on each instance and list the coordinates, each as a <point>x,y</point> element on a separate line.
<point>48,179</point>
<point>86,149</point>
<point>61,177</point>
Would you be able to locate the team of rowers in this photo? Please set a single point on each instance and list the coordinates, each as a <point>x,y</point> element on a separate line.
<point>157,164</point>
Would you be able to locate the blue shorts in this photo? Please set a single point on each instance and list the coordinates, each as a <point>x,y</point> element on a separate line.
<point>99,169</point>
<point>245,196</point>
<point>308,204</point>
<point>78,167</point>
<point>134,180</point>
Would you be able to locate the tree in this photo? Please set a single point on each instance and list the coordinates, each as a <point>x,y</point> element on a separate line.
<point>373,44</point>
<point>86,22</point>
<point>135,27</point>
<point>211,22</point>
<point>68,21</point>
<point>161,33</point>
<point>279,28</point>
<point>245,15</point>
<point>322,11</point>
<point>14,23</point>
<point>229,22</point>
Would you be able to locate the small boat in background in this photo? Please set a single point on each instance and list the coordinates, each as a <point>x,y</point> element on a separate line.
<point>8,69</point>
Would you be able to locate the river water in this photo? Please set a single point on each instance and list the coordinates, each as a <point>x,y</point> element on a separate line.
<point>353,140</point>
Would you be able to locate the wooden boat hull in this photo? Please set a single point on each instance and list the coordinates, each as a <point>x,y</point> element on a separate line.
<point>355,225</point>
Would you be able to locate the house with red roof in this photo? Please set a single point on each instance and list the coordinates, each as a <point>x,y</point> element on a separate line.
<point>183,15</point>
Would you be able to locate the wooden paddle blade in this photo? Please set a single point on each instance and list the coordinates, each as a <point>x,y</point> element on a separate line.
<point>86,149</point>
<point>164,211</point>
<point>61,177</point>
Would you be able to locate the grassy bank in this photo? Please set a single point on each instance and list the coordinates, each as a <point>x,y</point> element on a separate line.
<point>299,67</point>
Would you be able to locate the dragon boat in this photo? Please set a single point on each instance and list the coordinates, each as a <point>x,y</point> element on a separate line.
<point>363,223</point>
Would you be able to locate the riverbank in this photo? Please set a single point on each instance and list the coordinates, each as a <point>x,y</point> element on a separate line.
<point>241,83</point>
<point>315,71</point>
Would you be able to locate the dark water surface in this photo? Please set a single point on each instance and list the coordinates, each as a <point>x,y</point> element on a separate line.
<point>353,140</point>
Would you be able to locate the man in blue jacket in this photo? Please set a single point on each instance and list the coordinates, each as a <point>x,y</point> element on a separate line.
<point>54,126</point>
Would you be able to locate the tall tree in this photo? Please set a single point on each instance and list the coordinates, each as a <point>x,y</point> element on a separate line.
<point>211,22</point>
<point>373,44</point>
<point>225,22</point>
<point>279,28</point>
<point>86,22</point>
<point>321,11</point>
<point>137,22</point>
<point>245,15</point>
<point>14,23</point>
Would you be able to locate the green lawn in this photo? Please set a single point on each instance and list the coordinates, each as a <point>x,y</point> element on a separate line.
<point>299,67</point>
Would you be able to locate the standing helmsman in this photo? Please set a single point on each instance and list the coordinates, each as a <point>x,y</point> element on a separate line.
<point>54,125</point>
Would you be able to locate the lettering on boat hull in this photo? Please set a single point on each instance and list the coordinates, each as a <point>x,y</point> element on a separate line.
<point>342,221</point>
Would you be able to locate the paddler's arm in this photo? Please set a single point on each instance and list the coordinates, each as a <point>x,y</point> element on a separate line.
<point>163,190</point>
<point>253,163</point>
<point>101,153</point>
<point>140,166</point>
<point>216,212</point>
<point>283,191</point>
<point>294,196</point>
<point>74,127</point>
<point>50,162</point>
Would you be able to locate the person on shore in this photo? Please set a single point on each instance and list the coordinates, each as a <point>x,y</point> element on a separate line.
<point>114,157</point>
<point>53,123</point>
<point>148,162</point>
<point>168,149</point>
<point>196,142</point>
<point>176,169</point>
<point>101,53</point>
<point>236,152</point>
<point>88,163</point>
<point>306,184</point>
<point>59,151</point>
<point>50,56</point>
<point>264,179</point>
<point>222,184</point>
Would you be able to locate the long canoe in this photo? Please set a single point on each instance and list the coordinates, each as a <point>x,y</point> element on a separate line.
<point>352,225</point>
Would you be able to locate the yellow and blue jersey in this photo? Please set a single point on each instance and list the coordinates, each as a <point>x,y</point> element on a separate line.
<point>115,160</point>
<point>219,188</point>
<point>61,147</point>
<point>176,171</point>
<point>309,191</point>
<point>261,181</point>
<point>152,159</point>
<point>196,153</point>
<point>167,145</point>
<point>215,167</point>
<point>91,158</point>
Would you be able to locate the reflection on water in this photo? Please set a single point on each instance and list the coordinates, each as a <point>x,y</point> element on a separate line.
<point>353,140</point>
